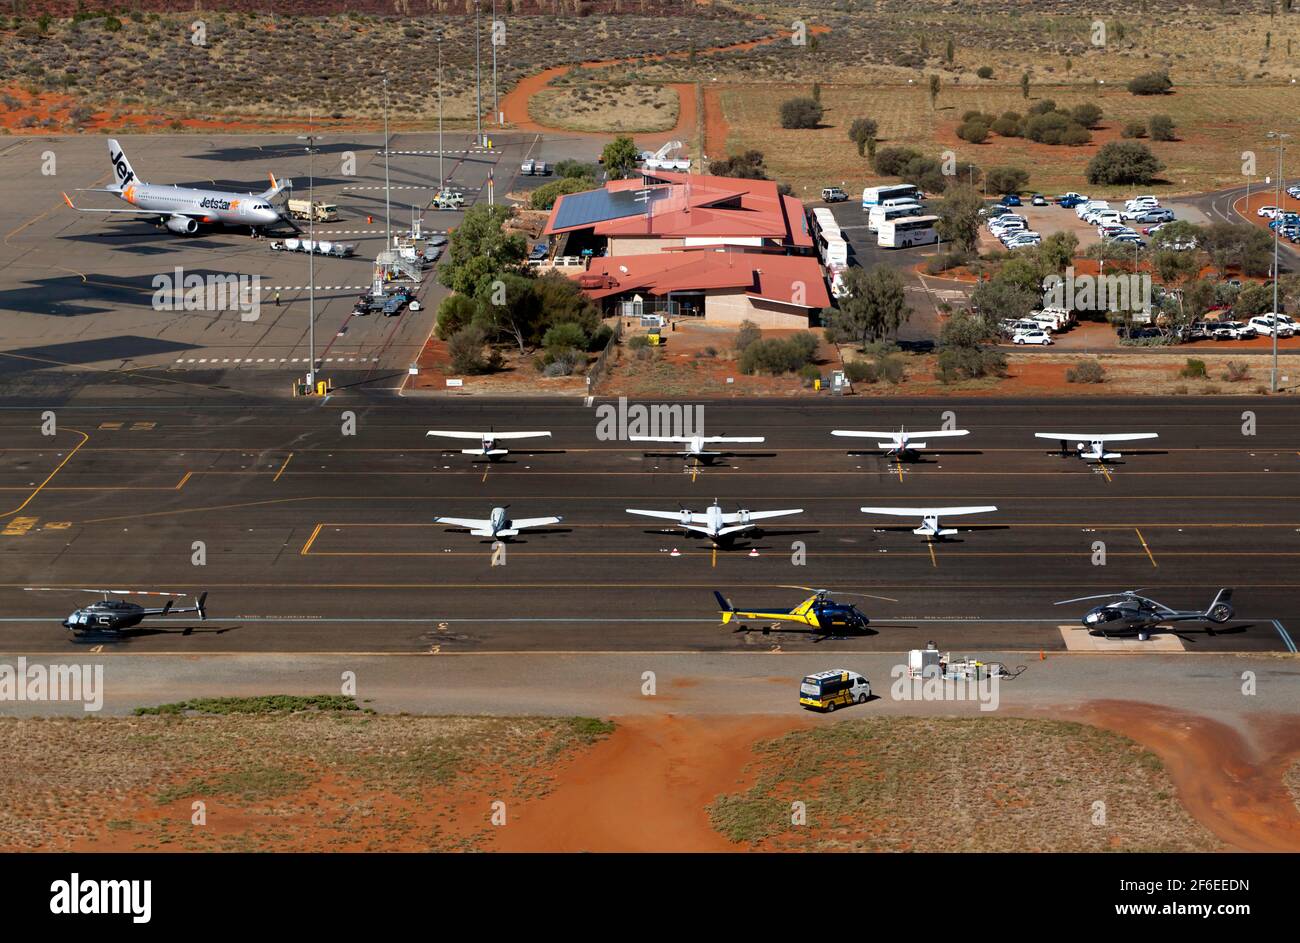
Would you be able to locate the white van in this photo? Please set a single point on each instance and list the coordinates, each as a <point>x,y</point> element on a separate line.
<point>828,690</point>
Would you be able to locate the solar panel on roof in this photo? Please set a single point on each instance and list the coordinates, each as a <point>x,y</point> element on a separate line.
<point>596,206</point>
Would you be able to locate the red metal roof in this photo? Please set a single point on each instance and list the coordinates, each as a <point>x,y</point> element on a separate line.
<point>702,206</point>
<point>785,279</point>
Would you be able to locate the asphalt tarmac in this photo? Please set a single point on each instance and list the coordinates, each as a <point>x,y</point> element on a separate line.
<point>311,525</point>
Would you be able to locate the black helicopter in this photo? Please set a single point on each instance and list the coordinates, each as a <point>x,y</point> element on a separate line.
<point>111,616</point>
<point>1133,614</point>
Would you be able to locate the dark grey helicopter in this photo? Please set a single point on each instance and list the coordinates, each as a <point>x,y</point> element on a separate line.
<point>1133,614</point>
<point>111,616</point>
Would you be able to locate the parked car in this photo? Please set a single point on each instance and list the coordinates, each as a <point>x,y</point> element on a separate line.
<point>1040,337</point>
<point>539,251</point>
<point>1011,199</point>
<point>1269,211</point>
<point>1038,200</point>
<point>1071,200</point>
<point>834,195</point>
<point>1266,325</point>
<point>1232,331</point>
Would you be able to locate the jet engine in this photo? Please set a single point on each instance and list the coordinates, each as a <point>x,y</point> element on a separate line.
<point>182,225</point>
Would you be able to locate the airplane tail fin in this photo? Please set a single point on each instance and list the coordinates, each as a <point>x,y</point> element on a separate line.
<point>724,604</point>
<point>201,605</point>
<point>1221,609</point>
<point>123,172</point>
<point>276,187</point>
<point>167,607</point>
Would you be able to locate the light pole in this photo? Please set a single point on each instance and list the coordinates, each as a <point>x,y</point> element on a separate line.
<point>311,259</point>
<point>388,235</point>
<point>1281,138</point>
<point>442,174</point>
<point>478,76</point>
<point>496,106</point>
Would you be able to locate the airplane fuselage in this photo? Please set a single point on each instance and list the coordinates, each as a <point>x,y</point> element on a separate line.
<point>208,206</point>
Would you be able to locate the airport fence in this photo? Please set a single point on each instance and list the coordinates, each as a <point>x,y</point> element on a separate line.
<point>600,369</point>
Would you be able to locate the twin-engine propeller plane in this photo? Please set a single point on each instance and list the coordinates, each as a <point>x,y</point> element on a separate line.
<point>111,616</point>
<point>930,517</point>
<point>902,444</point>
<point>498,525</point>
<point>1131,614</point>
<point>819,612</point>
<point>487,441</point>
<point>1092,447</point>
<point>696,444</point>
<point>183,210</point>
<point>715,523</point>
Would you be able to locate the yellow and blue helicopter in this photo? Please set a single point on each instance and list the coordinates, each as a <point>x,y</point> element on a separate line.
<point>819,612</point>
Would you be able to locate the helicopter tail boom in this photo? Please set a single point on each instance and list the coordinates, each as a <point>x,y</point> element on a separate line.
<point>1220,609</point>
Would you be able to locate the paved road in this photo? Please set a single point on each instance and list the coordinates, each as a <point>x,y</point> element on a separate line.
<point>317,541</point>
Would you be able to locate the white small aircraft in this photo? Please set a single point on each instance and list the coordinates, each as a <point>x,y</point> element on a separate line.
<point>487,441</point>
<point>498,525</point>
<point>714,522</point>
<point>695,444</point>
<point>1092,448</point>
<point>901,443</point>
<point>930,517</point>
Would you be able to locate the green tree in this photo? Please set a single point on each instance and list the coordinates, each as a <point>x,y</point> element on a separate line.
<point>950,51</point>
<point>1123,162</point>
<point>1150,83</point>
<point>934,90</point>
<point>1162,128</point>
<point>862,130</point>
<point>619,157</point>
<point>479,247</point>
<point>1024,85</point>
<point>875,306</point>
<point>1007,179</point>
<point>544,197</point>
<point>959,219</point>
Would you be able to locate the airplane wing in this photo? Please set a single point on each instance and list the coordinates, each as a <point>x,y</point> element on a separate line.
<point>734,438</point>
<point>134,212</point>
<point>477,436</point>
<point>658,438</point>
<point>517,435</point>
<point>929,512</point>
<point>724,531</point>
<point>1091,437</point>
<point>664,515</point>
<point>938,434</point>
<point>759,515</point>
<point>469,522</point>
<point>534,522</point>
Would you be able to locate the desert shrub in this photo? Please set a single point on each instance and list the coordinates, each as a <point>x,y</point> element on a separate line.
<point>810,374</point>
<point>466,349</point>
<point>1088,371</point>
<point>985,72</point>
<point>1123,162</point>
<point>890,161</point>
<point>1236,371</point>
<point>801,113</point>
<point>1193,369</point>
<point>544,197</point>
<point>777,355</point>
<point>1162,128</point>
<point>1150,83</point>
<point>947,260</point>
<point>862,371</point>
<point>1008,127</point>
<point>1086,114</point>
<point>600,338</point>
<point>566,335</point>
<point>749,333</point>
<point>974,131</point>
<point>963,362</point>
<point>1134,129</point>
<point>638,341</point>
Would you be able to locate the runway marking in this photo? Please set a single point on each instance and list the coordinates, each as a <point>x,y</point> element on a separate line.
<point>930,546</point>
<point>310,540</point>
<point>1286,636</point>
<point>181,484</point>
<point>1148,549</point>
<point>84,439</point>
<point>283,467</point>
<point>1106,472</point>
<point>1197,584</point>
<point>19,526</point>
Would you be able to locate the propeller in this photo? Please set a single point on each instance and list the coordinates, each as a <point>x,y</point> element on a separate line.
<point>101,592</point>
<point>823,592</point>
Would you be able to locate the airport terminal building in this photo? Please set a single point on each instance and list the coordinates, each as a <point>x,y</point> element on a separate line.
<point>725,249</point>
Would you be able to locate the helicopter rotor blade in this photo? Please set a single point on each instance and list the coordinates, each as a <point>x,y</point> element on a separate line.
<point>98,592</point>
<point>815,589</point>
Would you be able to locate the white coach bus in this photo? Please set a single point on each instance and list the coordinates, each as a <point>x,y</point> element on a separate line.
<point>874,196</point>
<point>912,231</point>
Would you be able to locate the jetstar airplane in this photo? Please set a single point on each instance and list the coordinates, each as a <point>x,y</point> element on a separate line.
<point>930,517</point>
<point>714,522</point>
<point>498,525</point>
<point>183,209</point>
<point>487,441</point>
<point>695,444</point>
<point>1092,448</point>
<point>901,443</point>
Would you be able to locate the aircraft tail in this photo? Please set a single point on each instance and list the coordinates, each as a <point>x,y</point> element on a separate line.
<point>276,187</point>
<point>123,172</point>
<point>724,604</point>
<point>1221,608</point>
<point>167,607</point>
<point>201,607</point>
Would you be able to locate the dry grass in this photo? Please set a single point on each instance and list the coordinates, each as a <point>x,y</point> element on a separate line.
<point>946,784</point>
<point>606,108</point>
<point>305,781</point>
